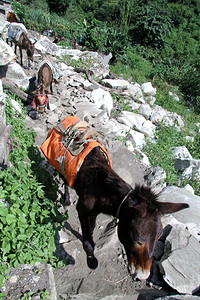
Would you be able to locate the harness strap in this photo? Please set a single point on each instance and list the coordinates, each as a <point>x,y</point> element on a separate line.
<point>118,211</point>
<point>61,161</point>
<point>69,141</point>
<point>62,129</point>
<point>89,133</point>
<point>115,221</point>
<point>38,103</point>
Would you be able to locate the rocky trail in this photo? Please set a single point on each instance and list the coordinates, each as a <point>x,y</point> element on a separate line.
<point>175,270</point>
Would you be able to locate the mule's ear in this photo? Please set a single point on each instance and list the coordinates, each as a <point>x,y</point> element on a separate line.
<point>168,207</point>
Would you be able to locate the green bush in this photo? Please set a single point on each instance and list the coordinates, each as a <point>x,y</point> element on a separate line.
<point>29,221</point>
<point>151,27</point>
<point>58,6</point>
<point>97,36</point>
<point>20,10</point>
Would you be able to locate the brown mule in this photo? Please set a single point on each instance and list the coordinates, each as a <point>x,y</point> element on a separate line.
<point>136,211</point>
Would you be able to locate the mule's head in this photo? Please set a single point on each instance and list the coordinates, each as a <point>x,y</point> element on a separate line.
<point>41,98</point>
<point>42,101</point>
<point>140,227</point>
<point>30,51</point>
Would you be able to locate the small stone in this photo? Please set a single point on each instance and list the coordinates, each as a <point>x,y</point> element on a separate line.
<point>14,278</point>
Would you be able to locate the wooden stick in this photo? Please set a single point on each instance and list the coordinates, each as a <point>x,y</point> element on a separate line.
<point>12,87</point>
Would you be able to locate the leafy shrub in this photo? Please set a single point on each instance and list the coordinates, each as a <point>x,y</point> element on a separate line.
<point>97,36</point>
<point>27,217</point>
<point>20,10</point>
<point>151,27</point>
<point>58,6</point>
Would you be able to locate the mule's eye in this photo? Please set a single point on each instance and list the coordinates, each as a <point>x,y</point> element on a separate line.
<point>139,243</point>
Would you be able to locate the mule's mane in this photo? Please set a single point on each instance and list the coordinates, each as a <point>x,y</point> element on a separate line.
<point>145,194</point>
<point>104,175</point>
<point>111,179</point>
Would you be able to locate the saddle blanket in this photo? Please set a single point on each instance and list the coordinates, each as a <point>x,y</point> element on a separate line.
<point>14,31</point>
<point>54,67</point>
<point>61,158</point>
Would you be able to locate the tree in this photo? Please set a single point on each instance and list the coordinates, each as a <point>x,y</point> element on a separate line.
<point>151,26</point>
<point>58,6</point>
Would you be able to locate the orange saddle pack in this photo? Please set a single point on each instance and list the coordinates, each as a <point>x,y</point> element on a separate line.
<point>68,144</point>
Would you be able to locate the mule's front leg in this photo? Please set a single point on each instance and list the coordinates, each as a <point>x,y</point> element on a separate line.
<point>20,50</point>
<point>87,226</point>
<point>66,195</point>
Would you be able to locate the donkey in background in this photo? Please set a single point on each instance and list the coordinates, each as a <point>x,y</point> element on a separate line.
<point>17,33</point>
<point>25,44</point>
<point>44,87</point>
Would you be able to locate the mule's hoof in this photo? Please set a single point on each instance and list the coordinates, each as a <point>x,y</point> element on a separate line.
<point>92,262</point>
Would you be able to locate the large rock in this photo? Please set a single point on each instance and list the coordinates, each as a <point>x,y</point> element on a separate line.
<point>179,297</point>
<point>185,162</point>
<point>126,164</point>
<point>44,44</point>
<point>85,109</point>
<point>158,114</point>
<point>182,153</point>
<point>5,145</point>
<point>103,100</point>
<point>181,268</point>
<point>6,54</point>
<point>138,139</point>
<point>155,178</point>
<point>135,92</point>
<point>147,89</point>
<point>116,83</point>
<point>145,110</point>
<point>137,122</point>
<point>113,128</point>
<point>16,74</point>
<point>132,120</point>
<point>175,194</point>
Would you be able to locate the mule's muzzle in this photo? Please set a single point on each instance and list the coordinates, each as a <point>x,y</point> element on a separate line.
<point>138,273</point>
<point>42,101</point>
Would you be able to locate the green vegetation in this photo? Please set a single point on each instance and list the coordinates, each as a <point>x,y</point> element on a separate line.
<point>86,63</point>
<point>29,217</point>
<point>42,294</point>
